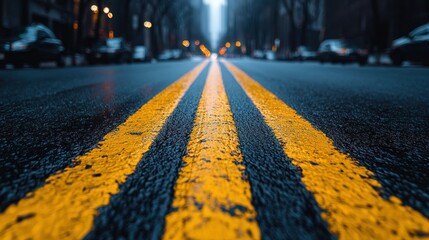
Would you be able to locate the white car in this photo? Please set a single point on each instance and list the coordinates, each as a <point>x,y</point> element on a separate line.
<point>303,54</point>
<point>270,55</point>
<point>140,53</point>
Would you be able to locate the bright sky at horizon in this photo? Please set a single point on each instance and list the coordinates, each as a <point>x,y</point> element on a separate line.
<point>215,19</point>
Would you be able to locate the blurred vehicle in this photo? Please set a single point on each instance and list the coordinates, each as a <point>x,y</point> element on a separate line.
<point>258,54</point>
<point>270,55</point>
<point>166,55</point>
<point>112,50</point>
<point>336,50</point>
<point>31,45</point>
<point>303,53</point>
<point>414,47</point>
<point>284,55</point>
<point>177,54</point>
<point>140,54</point>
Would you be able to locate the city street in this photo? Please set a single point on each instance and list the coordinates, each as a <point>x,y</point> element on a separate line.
<point>215,149</point>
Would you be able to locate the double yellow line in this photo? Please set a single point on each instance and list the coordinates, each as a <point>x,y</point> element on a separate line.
<point>345,190</point>
<point>211,197</point>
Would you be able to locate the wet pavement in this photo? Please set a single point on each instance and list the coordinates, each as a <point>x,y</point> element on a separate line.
<point>378,116</point>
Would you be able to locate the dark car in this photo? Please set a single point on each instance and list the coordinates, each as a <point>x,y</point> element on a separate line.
<point>340,51</point>
<point>414,47</point>
<point>112,50</point>
<point>31,45</point>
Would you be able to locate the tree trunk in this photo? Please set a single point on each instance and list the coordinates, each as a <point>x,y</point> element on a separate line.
<point>78,40</point>
<point>292,29</point>
<point>292,36</point>
<point>80,15</point>
<point>376,30</point>
<point>154,41</point>
<point>97,24</point>
<point>159,33</point>
<point>129,31</point>
<point>304,23</point>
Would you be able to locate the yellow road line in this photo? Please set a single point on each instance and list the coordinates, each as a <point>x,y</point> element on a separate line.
<point>354,209</point>
<point>65,207</point>
<point>212,199</point>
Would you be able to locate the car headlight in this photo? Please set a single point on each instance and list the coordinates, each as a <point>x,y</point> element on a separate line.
<point>19,46</point>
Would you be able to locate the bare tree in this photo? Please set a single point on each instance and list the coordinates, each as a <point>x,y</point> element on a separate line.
<point>290,9</point>
<point>159,9</point>
<point>83,6</point>
<point>376,40</point>
<point>311,11</point>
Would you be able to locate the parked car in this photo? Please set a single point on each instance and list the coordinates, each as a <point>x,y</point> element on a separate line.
<point>340,51</point>
<point>258,54</point>
<point>178,54</point>
<point>140,54</point>
<point>414,47</point>
<point>303,53</point>
<point>112,50</point>
<point>30,45</point>
<point>166,55</point>
<point>270,55</point>
<point>284,55</point>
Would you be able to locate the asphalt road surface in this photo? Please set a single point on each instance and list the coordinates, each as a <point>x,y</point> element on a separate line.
<point>237,149</point>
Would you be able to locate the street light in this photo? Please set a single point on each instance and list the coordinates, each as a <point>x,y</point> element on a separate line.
<point>106,10</point>
<point>238,44</point>
<point>228,45</point>
<point>185,43</point>
<point>94,8</point>
<point>75,26</point>
<point>110,15</point>
<point>147,24</point>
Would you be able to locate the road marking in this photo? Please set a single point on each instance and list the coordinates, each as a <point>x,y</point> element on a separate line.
<point>212,199</point>
<point>354,209</point>
<point>65,207</point>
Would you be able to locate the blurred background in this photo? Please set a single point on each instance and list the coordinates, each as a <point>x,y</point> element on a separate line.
<point>72,32</point>
<point>284,25</point>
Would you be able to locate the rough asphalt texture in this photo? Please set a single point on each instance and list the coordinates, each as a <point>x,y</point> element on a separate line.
<point>377,115</point>
<point>50,116</point>
<point>138,211</point>
<point>380,116</point>
<point>278,195</point>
